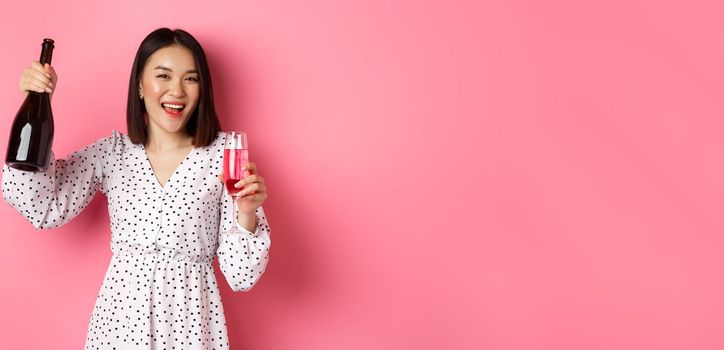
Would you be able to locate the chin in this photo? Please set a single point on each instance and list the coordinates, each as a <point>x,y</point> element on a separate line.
<point>174,129</point>
<point>167,124</point>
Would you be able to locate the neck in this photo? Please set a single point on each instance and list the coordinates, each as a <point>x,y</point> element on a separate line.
<point>159,140</point>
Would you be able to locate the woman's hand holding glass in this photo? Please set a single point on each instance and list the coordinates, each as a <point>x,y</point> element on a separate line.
<point>242,181</point>
<point>252,195</point>
<point>253,190</point>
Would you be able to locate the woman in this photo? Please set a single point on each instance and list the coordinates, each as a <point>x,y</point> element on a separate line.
<point>169,214</point>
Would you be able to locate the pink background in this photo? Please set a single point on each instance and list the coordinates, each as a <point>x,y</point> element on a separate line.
<point>470,175</point>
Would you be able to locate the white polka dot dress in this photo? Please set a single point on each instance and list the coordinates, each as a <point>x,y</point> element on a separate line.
<point>159,291</point>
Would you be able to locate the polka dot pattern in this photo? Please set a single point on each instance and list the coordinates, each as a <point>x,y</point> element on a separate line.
<point>159,291</point>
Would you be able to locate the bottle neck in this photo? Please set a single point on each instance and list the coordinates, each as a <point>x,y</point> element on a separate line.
<point>46,55</point>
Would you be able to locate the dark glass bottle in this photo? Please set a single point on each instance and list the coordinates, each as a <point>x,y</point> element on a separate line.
<point>31,136</point>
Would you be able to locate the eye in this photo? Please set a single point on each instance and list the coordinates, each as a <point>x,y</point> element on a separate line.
<point>194,79</point>
<point>162,76</point>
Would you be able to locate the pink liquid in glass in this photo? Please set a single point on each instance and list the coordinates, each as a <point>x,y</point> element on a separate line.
<point>234,160</point>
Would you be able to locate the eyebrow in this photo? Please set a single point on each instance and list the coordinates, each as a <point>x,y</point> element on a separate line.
<point>169,69</point>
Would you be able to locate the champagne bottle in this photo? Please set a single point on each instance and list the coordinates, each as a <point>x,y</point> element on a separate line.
<point>31,135</point>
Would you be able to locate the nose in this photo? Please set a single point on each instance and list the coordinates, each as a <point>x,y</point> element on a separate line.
<point>176,89</point>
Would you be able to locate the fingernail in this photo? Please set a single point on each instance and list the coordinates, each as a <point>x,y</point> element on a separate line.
<point>237,185</point>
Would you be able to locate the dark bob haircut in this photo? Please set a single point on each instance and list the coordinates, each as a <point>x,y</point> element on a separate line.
<point>203,125</point>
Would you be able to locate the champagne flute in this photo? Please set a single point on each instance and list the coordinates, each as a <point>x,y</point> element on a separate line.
<point>236,155</point>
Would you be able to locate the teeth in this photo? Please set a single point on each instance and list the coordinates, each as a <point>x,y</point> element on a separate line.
<point>169,105</point>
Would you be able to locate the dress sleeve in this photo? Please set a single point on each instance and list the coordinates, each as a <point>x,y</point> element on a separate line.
<point>52,198</point>
<point>242,256</point>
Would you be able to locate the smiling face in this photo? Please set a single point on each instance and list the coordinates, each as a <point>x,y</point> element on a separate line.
<point>169,86</point>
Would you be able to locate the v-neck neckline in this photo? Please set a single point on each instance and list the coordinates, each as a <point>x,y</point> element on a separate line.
<point>175,172</point>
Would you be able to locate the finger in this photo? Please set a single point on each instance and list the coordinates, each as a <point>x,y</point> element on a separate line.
<point>53,77</point>
<point>36,86</point>
<point>26,83</point>
<point>256,197</point>
<point>248,180</point>
<point>36,66</point>
<point>246,190</point>
<point>44,76</point>
<point>44,86</point>
<point>251,167</point>
<point>247,197</point>
<point>39,76</point>
<point>40,86</point>
<point>255,178</point>
<point>253,188</point>
<point>221,177</point>
<point>30,75</point>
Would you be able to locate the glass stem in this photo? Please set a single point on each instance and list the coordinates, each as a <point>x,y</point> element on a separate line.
<point>234,212</point>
